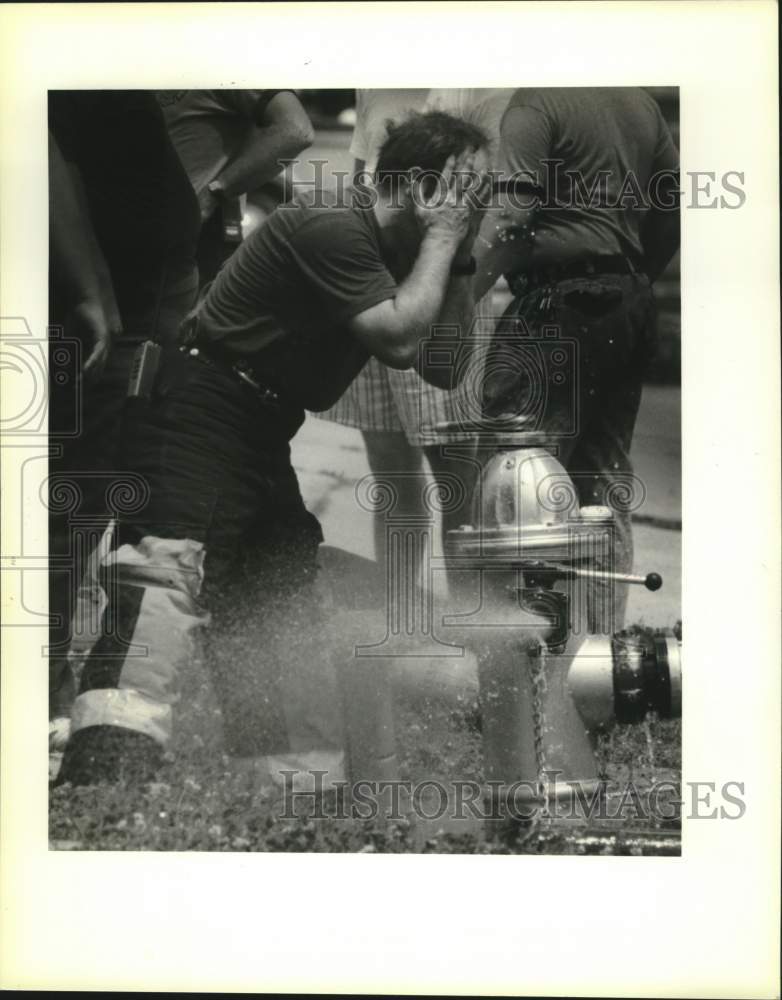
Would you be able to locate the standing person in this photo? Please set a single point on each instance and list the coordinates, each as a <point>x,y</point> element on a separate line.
<point>231,143</point>
<point>124,222</point>
<point>588,222</point>
<point>396,410</point>
<point>287,324</point>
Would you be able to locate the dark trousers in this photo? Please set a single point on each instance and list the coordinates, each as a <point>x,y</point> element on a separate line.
<point>573,356</point>
<point>88,484</point>
<point>223,538</point>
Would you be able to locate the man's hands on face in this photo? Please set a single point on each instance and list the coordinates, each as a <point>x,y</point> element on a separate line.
<point>477,194</point>
<point>448,214</point>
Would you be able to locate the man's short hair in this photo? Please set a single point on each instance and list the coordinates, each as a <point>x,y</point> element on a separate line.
<point>425,140</point>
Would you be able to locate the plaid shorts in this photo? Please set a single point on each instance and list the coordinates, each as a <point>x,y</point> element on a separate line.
<point>384,399</point>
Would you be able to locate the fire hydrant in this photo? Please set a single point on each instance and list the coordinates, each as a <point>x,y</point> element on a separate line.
<point>543,701</point>
<point>546,688</point>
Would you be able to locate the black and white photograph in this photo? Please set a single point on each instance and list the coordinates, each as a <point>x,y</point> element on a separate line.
<point>360,381</point>
<point>388,471</point>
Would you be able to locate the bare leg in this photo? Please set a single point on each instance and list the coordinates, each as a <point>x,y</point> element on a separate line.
<point>399,464</point>
<point>456,478</point>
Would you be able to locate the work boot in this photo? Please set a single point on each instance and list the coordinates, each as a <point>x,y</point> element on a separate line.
<point>109,754</point>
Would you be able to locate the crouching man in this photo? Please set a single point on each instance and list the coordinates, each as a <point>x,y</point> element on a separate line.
<point>224,535</point>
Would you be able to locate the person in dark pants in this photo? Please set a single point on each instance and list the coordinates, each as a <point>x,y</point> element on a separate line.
<point>287,324</point>
<point>588,219</point>
<point>122,211</point>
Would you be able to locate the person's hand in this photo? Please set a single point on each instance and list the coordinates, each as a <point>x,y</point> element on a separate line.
<point>89,323</point>
<point>110,309</point>
<point>446,214</point>
<point>207,202</point>
<point>478,198</point>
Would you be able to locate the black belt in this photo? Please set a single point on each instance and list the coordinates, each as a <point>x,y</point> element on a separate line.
<point>552,274</point>
<point>244,369</point>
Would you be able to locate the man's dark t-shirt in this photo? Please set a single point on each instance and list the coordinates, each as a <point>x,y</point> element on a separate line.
<point>285,297</point>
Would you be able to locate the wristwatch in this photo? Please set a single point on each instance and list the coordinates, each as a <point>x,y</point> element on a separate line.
<point>464,269</point>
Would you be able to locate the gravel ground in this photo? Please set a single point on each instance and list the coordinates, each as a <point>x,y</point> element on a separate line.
<point>201,803</point>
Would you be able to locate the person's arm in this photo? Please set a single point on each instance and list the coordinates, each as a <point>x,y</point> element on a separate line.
<point>359,141</point>
<point>360,145</point>
<point>393,329</point>
<point>281,131</point>
<point>79,264</point>
<point>660,232</point>
<point>456,320</point>
<point>453,339</point>
<point>359,173</point>
<point>660,236</point>
<point>507,238</point>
